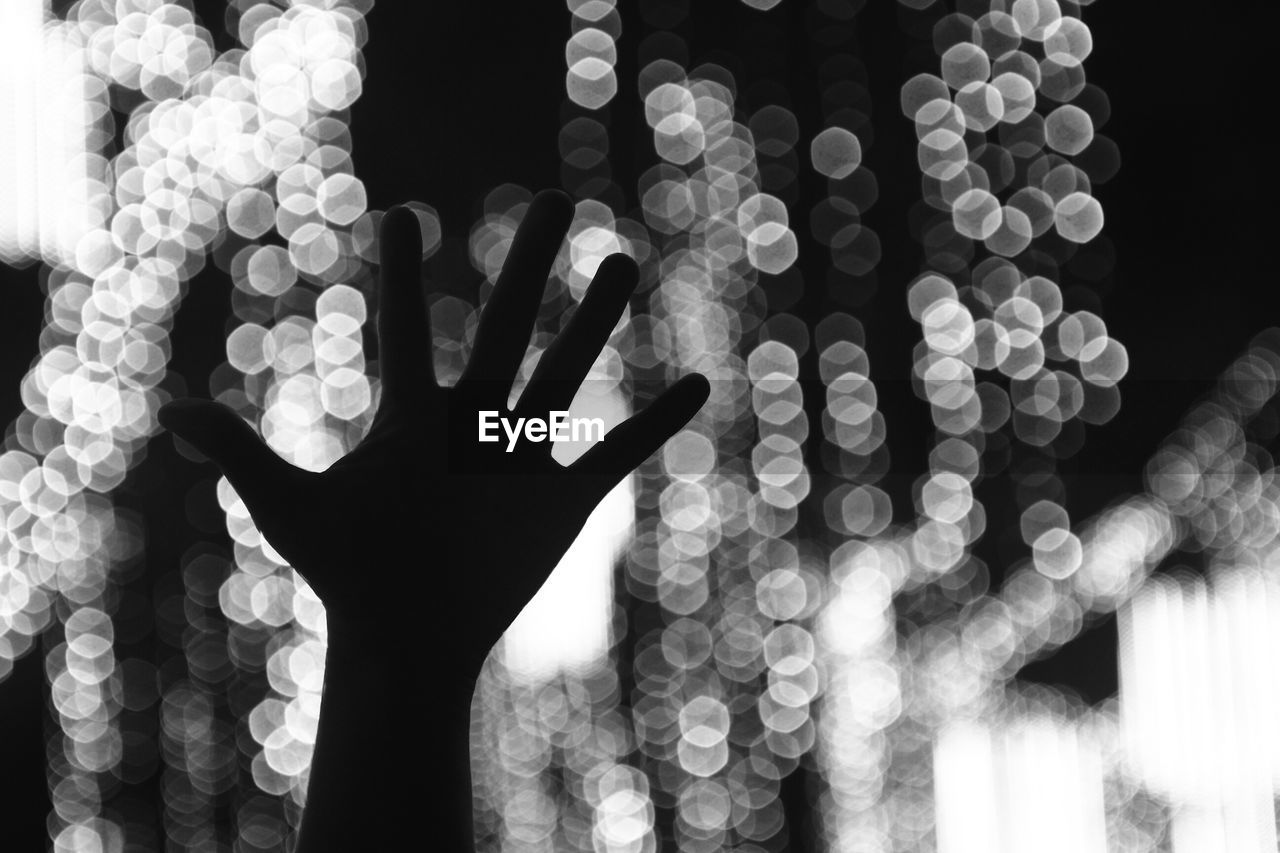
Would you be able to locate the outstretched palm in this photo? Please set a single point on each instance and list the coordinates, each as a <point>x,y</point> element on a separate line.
<point>421,513</point>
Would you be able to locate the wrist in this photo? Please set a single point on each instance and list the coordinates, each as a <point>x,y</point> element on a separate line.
<point>391,707</point>
<point>387,665</point>
<point>392,749</point>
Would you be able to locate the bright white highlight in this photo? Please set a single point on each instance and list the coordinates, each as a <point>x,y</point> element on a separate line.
<point>1200,696</point>
<point>1037,786</point>
<point>49,169</point>
<point>565,627</point>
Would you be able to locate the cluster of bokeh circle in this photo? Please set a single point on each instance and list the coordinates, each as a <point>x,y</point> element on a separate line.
<point>707,758</point>
<point>242,157</point>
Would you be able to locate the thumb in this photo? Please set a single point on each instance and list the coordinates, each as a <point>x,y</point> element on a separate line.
<point>260,477</point>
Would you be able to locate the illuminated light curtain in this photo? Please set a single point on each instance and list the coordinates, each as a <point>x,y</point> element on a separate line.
<point>876,652</point>
<point>222,149</point>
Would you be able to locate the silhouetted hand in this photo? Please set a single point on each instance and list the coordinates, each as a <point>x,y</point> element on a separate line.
<point>424,543</point>
<point>459,534</point>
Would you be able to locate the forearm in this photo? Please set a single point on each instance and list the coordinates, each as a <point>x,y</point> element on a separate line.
<point>391,765</point>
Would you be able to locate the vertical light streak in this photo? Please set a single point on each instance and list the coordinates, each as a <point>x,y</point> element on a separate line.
<point>21,62</point>
<point>1199,702</point>
<point>1035,784</point>
<point>60,138</point>
<point>709,180</point>
<point>89,743</point>
<point>965,790</point>
<point>565,627</point>
<point>48,162</point>
<point>863,699</point>
<point>45,182</point>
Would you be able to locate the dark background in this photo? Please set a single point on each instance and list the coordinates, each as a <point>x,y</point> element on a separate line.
<point>460,97</point>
